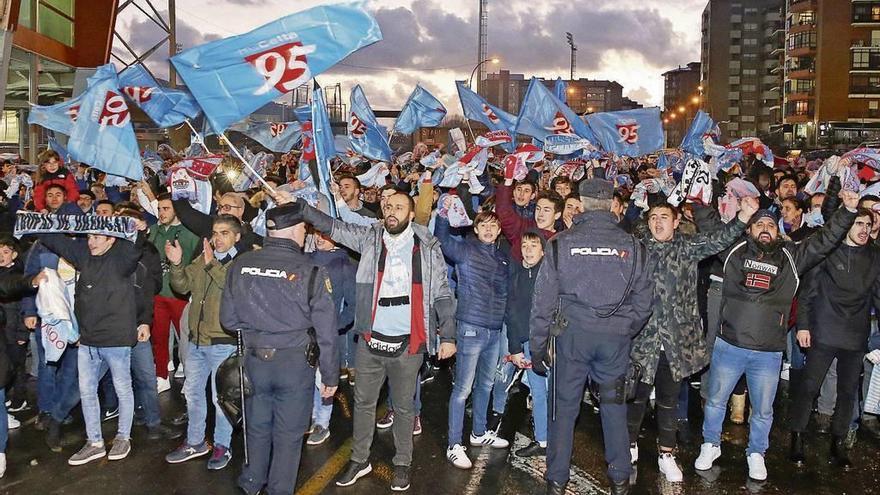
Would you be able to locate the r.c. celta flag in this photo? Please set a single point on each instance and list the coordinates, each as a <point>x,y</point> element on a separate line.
<point>102,135</point>
<point>275,136</point>
<point>475,107</point>
<point>365,134</point>
<point>59,117</point>
<point>233,77</point>
<point>325,145</point>
<point>167,107</point>
<point>422,109</point>
<point>701,126</point>
<point>542,114</point>
<point>628,132</point>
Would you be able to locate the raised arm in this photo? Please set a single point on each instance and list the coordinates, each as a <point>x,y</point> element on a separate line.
<point>66,247</point>
<point>353,236</point>
<point>816,247</point>
<point>452,247</point>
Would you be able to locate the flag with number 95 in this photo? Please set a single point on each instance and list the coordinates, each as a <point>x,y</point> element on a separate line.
<point>233,77</point>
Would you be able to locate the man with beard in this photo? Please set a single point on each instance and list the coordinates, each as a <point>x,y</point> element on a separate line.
<point>401,291</point>
<point>834,322</point>
<point>761,277</point>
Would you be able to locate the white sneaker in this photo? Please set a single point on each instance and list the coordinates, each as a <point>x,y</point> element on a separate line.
<point>2,465</point>
<point>180,373</point>
<point>162,385</point>
<point>757,469</point>
<point>458,457</point>
<point>489,439</point>
<point>13,423</point>
<point>633,453</point>
<point>708,453</point>
<point>670,468</point>
<point>170,365</point>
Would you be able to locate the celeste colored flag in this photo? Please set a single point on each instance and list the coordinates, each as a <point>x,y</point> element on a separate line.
<point>559,90</point>
<point>303,113</point>
<point>422,109</point>
<point>700,127</point>
<point>102,135</point>
<point>542,114</point>
<point>365,135</point>
<point>59,117</point>
<point>275,136</point>
<point>59,148</point>
<point>233,77</point>
<point>628,132</point>
<point>475,107</point>
<point>325,145</point>
<point>166,106</point>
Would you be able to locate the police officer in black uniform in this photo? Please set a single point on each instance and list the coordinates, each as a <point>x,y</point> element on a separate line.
<point>281,302</point>
<point>593,287</point>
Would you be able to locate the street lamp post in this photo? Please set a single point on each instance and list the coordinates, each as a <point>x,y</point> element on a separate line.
<point>494,60</point>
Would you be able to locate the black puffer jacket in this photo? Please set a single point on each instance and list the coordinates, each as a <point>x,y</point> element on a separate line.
<point>759,286</point>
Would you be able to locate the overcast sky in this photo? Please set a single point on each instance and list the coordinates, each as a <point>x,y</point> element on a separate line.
<point>435,43</point>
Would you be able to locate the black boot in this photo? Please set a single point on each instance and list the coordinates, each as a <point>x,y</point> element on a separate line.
<point>839,454</point>
<point>53,435</point>
<point>620,487</point>
<point>796,454</point>
<point>493,421</point>
<point>554,488</point>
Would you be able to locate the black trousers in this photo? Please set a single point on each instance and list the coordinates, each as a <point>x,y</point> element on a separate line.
<point>668,391</point>
<point>849,369</point>
<point>278,413</point>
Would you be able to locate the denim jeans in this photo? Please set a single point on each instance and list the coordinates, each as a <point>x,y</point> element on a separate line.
<point>761,368</point>
<point>91,361</point>
<point>475,363</point>
<point>57,383</point>
<point>538,391</point>
<point>796,357</point>
<point>202,362</point>
<point>346,349</point>
<point>320,412</point>
<point>143,376</point>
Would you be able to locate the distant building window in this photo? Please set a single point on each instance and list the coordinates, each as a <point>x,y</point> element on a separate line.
<point>54,18</point>
<point>750,26</point>
<point>750,42</point>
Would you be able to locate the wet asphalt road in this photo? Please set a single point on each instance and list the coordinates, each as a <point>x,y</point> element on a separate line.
<point>33,469</point>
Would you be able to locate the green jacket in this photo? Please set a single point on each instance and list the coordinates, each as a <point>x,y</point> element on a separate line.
<point>189,242</point>
<point>206,284</point>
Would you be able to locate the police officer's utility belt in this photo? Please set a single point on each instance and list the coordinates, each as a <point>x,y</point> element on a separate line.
<point>387,345</point>
<point>393,301</point>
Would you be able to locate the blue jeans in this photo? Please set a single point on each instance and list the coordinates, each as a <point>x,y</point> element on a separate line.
<point>143,375</point>
<point>321,412</point>
<point>475,362</point>
<point>202,362</point>
<point>761,368</point>
<point>538,391</point>
<point>57,383</point>
<point>796,357</point>
<point>91,361</point>
<point>346,349</point>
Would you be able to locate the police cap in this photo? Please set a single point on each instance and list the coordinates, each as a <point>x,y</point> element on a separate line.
<point>282,217</point>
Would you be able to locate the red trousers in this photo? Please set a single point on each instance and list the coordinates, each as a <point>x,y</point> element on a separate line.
<point>166,311</point>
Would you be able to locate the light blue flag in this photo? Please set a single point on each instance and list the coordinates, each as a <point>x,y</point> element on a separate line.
<point>628,132</point>
<point>422,109</point>
<point>559,89</point>
<point>167,107</point>
<point>59,117</point>
<point>325,145</point>
<point>700,127</point>
<point>365,134</point>
<point>303,113</point>
<point>475,107</point>
<point>280,137</point>
<point>59,148</point>
<point>233,77</point>
<point>542,114</point>
<point>102,135</point>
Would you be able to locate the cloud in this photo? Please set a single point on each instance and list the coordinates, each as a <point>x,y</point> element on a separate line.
<point>640,94</point>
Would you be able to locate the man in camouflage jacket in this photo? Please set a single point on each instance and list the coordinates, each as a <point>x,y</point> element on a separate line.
<point>672,347</point>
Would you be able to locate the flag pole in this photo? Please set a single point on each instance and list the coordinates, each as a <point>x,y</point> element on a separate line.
<point>246,164</point>
<point>316,177</point>
<point>199,136</point>
<point>468,122</point>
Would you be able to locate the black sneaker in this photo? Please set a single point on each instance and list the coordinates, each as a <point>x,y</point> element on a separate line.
<point>53,435</point>
<point>533,449</point>
<point>161,431</point>
<point>180,420</point>
<point>493,421</point>
<point>42,422</point>
<point>108,415</point>
<point>400,481</point>
<point>353,472</point>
